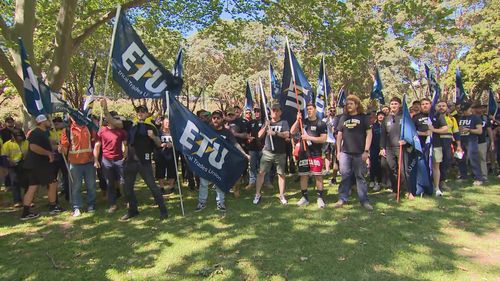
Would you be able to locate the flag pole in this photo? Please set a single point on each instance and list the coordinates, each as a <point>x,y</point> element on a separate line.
<point>399,169</point>
<point>296,92</point>
<point>324,81</point>
<point>117,16</point>
<point>262,96</point>
<point>175,156</point>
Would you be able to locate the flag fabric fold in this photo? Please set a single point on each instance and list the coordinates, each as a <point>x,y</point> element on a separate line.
<point>322,90</point>
<point>492,104</point>
<point>248,97</point>
<point>89,98</point>
<point>177,71</point>
<point>460,94</point>
<point>341,97</point>
<point>32,96</point>
<point>275,84</point>
<point>376,93</point>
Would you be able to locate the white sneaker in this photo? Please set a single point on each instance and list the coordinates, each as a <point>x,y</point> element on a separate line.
<point>283,200</point>
<point>439,192</point>
<point>256,199</point>
<point>76,213</point>
<point>321,203</point>
<point>372,184</point>
<point>478,183</point>
<point>376,187</point>
<point>302,202</point>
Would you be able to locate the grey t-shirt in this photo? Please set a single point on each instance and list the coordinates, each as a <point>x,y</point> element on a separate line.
<point>278,142</point>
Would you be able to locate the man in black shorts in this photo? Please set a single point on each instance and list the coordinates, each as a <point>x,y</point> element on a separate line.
<point>39,168</point>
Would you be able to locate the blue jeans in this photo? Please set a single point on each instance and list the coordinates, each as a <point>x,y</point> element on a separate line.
<point>130,170</point>
<point>471,154</point>
<point>79,172</point>
<point>447,159</point>
<point>349,165</point>
<point>112,171</point>
<point>203,192</point>
<point>255,156</point>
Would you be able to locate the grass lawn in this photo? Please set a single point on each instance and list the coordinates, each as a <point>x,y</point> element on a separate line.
<point>456,237</point>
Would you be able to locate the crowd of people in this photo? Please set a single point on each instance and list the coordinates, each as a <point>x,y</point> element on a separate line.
<point>363,146</point>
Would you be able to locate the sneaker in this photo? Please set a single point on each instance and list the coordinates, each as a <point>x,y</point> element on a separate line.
<point>76,213</point>
<point>371,185</point>
<point>91,209</point>
<point>55,209</point>
<point>478,183</point>
<point>128,216</point>
<point>439,192</point>
<point>221,207</point>
<point>333,181</point>
<point>321,203</point>
<point>376,187</point>
<point>256,199</point>
<point>367,206</point>
<point>302,202</point>
<point>18,205</point>
<point>339,204</point>
<point>30,215</point>
<point>283,200</point>
<point>112,209</point>
<point>250,186</point>
<point>162,190</point>
<point>163,216</point>
<point>200,206</point>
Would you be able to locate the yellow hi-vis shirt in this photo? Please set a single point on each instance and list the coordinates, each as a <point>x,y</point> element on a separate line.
<point>14,151</point>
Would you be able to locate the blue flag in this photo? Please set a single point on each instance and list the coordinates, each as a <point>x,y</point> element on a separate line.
<point>492,104</point>
<point>322,90</point>
<point>177,72</point>
<point>248,97</point>
<point>208,154</point>
<point>137,72</point>
<point>32,97</point>
<point>275,84</point>
<point>265,110</point>
<point>460,94</point>
<point>341,98</point>
<point>432,85</point>
<point>377,93</point>
<point>89,98</point>
<point>292,72</point>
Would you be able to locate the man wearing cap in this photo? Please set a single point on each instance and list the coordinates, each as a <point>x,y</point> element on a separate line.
<point>218,125</point>
<point>279,131</point>
<point>255,146</point>
<point>39,168</point>
<point>470,127</point>
<point>6,132</point>
<point>142,141</point>
<point>238,127</point>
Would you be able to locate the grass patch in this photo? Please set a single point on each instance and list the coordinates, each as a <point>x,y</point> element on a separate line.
<point>449,238</point>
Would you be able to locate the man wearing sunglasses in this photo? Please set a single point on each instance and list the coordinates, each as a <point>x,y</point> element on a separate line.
<point>255,146</point>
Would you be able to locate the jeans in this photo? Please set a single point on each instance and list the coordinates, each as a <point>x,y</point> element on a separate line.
<point>392,157</point>
<point>203,193</point>
<point>112,170</point>
<point>447,158</point>
<point>471,154</point>
<point>483,149</point>
<point>375,166</point>
<point>349,165</point>
<point>130,170</point>
<point>79,172</point>
<point>255,156</point>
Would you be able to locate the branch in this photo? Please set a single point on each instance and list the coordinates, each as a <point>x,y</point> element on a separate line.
<point>11,72</point>
<point>104,18</point>
<point>6,30</point>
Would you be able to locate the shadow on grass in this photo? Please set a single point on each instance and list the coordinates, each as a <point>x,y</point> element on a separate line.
<point>248,242</point>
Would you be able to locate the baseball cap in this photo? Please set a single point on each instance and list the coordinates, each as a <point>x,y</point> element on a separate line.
<point>218,112</point>
<point>230,111</point>
<point>141,108</point>
<point>40,118</point>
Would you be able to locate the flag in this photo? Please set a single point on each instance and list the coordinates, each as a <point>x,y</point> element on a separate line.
<point>432,84</point>
<point>275,84</point>
<point>419,181</point>
<point>137,72</point>
<point>32,98</point>
<point>292,72</point>
<point>322,90</point>
<point>377,93</point>
<point>248,97</point>
<point>81,119</point>
<point>51,100</point>
<point>265,110</point>
<point>341,98</point>
<point>89,99</point>
<point>177,72</point>
<point>208,154</point>
<point>492,104</point>
<point>460,94</point>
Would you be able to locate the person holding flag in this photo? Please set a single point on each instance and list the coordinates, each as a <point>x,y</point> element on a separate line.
<point>447,142</point>
<point>354,138</point>
<point>255,146</point>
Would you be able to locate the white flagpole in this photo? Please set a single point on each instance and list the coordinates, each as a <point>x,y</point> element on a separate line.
<point>324,84</point>
<point>175,156</point>
<point>262,96</point>
<point>117,16</point>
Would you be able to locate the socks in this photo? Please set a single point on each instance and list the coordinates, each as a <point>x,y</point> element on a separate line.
<point>26,210</point>
<point>305,194</point>
<point>320,193</point>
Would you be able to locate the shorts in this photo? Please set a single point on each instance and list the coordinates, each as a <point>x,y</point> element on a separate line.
<point>268,159</point>
<point>43,174</point>
<point>315,165</point>
<point>165,168</point>
<point>437,155</point>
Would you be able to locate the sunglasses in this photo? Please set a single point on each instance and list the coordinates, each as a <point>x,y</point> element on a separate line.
<point>216,117</point>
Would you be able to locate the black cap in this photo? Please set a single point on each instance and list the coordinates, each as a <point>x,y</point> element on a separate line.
<point>218,112</point>
<point>141,108</point>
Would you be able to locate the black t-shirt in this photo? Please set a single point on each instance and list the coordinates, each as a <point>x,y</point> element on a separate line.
<point>469,122</point>
<point>166,152</point>
<point>353,128</point>
<point>40,138</point>
<point>278,142</point>
<point>141,146</point>
<point>253,129</point>
<point>227,135</point>
<point>239,125</point>
<point>486,122</point>
<point>315,129</point>
<point>421,121</point>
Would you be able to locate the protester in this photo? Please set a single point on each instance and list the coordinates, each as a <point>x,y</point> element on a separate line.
<point>255,146</point>
<point>39,168</point>
<point>447,140</point>
<point>278,130</point>
<point>6,132</point>
<point>15,151</point>
<point>353,147</point>
<point>165,169</point>
<point>313,137</point>
<point>142,141</point>
<point>470,127</point>
<point>375,162</point>
<point>329,146</point>
<point>484,138</point>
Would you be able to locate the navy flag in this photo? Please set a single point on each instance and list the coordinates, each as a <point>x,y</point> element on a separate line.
<point>292,72</point>
<point>460,94</point>
<point>377,93</point>
<point>248,97</point>
<point>322,90</point>
<point>492,104</point>
<point>275,84</point>
<point>32,97</point>
<point>137,72</point>
<point>51,100</point>
<point>208,154</point>
<point>341,97</point>
<point>89,98</point>
<point>432,84</point>
<point>177,72</point>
